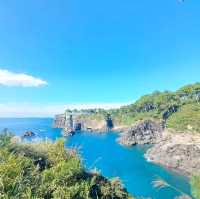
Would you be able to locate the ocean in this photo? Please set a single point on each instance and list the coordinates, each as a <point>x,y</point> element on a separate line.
<point>103,153</point>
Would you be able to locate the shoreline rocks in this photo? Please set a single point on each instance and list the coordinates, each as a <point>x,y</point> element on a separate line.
<point>28,134</point>
<point>145,132</point>
<point>120,129</point>
<point>68,132</point>
<point>178,152</point>
<point>59,121</point>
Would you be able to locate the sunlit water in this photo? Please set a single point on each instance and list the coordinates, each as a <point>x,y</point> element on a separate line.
<point>102,152</point>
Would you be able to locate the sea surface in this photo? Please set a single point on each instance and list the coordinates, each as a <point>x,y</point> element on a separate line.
<point>101,152</point>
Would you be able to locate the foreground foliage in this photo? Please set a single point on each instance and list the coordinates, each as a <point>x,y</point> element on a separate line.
<point>196,186</point>
<point>46,170</point>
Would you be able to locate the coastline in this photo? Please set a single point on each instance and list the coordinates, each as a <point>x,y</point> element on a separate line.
<point>177,151</point>
<point>97,143</point>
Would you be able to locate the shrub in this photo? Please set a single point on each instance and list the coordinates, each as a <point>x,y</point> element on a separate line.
<point>195,182</point>
<point>186,119</point>
<point>48,170</point>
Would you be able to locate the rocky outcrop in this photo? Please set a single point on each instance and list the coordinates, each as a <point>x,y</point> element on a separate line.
<point>71,122</point>
<point>67,132</point>
<point>178,152</point>
<point>28,134</point>
<point>109,122</point>
<point>168,112</point>
<point>93,124</point>
<point>59,121</point>
<point>145,132</point>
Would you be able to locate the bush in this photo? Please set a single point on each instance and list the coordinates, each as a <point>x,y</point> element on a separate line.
<point>5,138</point>
<point>186,119</point>
<point>18,175</point>
<point>46,170</point>
<point>195,182</point>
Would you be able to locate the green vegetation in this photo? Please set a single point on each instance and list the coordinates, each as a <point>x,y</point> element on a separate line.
<point>190,89</point>
<point>186,119</point>
<point>196,186</point>
<point>47,170</point>
<point>159,105</point>
<point>179,110</point>
<point>98,116</point>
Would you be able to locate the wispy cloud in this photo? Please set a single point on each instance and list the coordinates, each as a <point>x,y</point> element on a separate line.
<point>47,110</point>
<point>8,78</point>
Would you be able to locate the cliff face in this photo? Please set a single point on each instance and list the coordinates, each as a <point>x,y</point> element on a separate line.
<point>93,124</point>
<point>177,151</point>
<point>74,121</point>
<point>145,132</point>
<point>178,111</point>
<point>59,121</point>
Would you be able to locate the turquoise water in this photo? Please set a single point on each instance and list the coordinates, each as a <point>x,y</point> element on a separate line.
<point>102,152</point>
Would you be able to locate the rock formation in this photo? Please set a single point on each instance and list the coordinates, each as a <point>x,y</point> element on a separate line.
<point>28,134</point>
<point>68,131</point>
<point>177,151</point>
<point>71,122</point>
<point>145,132</point>
<point>59,121</point>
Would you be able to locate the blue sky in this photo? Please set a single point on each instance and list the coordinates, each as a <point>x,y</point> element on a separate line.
<point>96,52</point>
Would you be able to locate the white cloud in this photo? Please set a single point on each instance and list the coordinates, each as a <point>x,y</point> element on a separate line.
<point>49,110</point>
<point>8,78</point>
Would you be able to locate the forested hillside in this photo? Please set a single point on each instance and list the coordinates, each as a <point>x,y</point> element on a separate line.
<point>179,110</point>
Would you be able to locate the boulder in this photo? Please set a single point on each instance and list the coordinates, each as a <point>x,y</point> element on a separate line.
<point>28,134</point>
<point>68,132</point>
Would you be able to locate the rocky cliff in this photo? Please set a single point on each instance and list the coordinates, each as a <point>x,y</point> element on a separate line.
<point>178,111</point>
<point>180,152</point>
<point>71,122</point>
<point>59,121</point>
<point>145,132</point>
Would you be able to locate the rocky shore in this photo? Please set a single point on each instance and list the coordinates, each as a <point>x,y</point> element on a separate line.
<point>172,130</point>
<point>72,121</point>
<point>145,132</point>
<point>174,150</point>
<point>177,151</point>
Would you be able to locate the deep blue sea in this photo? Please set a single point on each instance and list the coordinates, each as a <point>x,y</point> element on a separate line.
<point>101,151</point>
